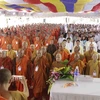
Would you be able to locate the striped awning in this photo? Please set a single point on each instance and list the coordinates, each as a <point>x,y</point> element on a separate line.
<point>51,5</point>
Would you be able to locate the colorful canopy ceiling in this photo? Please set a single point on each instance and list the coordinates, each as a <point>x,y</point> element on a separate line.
<point>51,5</point>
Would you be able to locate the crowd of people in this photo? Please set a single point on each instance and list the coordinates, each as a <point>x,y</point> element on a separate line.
<point>33,51</point>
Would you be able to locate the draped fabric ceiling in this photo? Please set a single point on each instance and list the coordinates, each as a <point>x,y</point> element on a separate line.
<point>51,5</point>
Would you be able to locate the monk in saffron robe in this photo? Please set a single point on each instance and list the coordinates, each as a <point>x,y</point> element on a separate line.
<point>64,52</point>
<point>25,39</point>
<point>9,38</point>
<point>88,56</point>
<point>16,43</point>
<point>26,49</point>
<point>93,66</point>
<point>33,52</point>
<point>40,76</point>
<point>11,53</point>
<point>5,62</point>
<point>49,58</point>
<point>4,42</point>
<point>21,67</point>
<point>58,63</point>
<point>77,62</point>
<point>37,43</point>
<point>48,55</point>
<point>29,77</point>
<point>76,51</point>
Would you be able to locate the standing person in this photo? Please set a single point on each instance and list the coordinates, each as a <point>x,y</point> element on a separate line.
<point>21,66</point>
<point>51,48</point>
<point>79,45</point>
<point>5,61</point>
<point>40,76</point>
<point>25,39</point>
<point>11,53</point>
<point>4,42</point>
<point>33,52</point>
<point>26,49</point>
<point>16,43</point>
<point>91,41</point>
<point>37,43</point>
<point>69,45</point>
<point>61,38</point>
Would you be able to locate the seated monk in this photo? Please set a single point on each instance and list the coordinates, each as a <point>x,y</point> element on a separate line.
<point>64,52</point>
<point>5,61</point>
<point>77,62</point>
<point>5,80</point>
<point>88,55</point>
<point>76,51</point>
<point>93,66</point>
<point>40,76</point>
<point>58,63</point>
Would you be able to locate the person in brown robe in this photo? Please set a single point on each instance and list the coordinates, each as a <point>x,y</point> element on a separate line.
<point>5,61</point>
<point>40,76</point>
<point>26,49</point>
<point>49,58</point>
<point>24,67</point>
<point>33,52</point>
<point>58,63</point>
<point>4,41</point>
<point>77,62</point>
<point>21,67</point>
